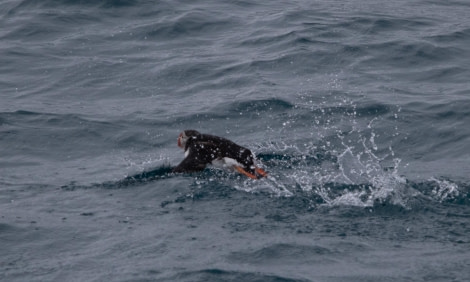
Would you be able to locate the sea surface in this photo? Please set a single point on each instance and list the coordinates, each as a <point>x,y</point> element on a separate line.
<point>359,111</point>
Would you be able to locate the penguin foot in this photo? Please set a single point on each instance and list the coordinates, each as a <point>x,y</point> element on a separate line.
<point>259,173</point>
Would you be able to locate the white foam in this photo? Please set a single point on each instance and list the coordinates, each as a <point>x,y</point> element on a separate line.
<point>445,190</point>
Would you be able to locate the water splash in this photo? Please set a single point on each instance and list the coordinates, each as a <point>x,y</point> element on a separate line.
<point>340,155</point>
<point>444,190</point>
<point>269,185</point>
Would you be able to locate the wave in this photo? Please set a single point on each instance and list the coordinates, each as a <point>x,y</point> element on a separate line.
<point>321,180</point>
<point>161,172</point>
<point>29,4</point>
<point>216,274</point>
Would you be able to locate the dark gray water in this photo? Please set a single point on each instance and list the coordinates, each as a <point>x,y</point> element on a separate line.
<point>359,110</point>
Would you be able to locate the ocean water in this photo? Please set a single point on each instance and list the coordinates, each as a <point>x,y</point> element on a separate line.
<point>359,111</point>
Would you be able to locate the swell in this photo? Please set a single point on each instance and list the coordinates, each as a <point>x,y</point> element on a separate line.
<point>191,23</point>
<point>52,129</point>
<point>216,274</point>
<point>243,109</point>
<point>33,4</point>
<point>162,172</point>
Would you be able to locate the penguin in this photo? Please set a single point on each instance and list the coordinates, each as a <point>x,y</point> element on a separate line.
<point>203,149</point>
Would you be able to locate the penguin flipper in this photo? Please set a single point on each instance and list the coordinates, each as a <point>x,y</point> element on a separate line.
<point>195,159</point>
<point>189,165</point>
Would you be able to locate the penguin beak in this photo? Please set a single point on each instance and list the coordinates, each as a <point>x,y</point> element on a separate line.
<point>180,137</point>
<point>259,173</point>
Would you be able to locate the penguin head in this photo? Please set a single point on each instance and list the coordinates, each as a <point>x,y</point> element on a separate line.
<point>184,136</point>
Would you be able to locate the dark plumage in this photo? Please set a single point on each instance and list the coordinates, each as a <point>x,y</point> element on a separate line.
<point>203,149</point>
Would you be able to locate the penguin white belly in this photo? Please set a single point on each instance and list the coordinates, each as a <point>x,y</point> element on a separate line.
<point>225,163</point>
